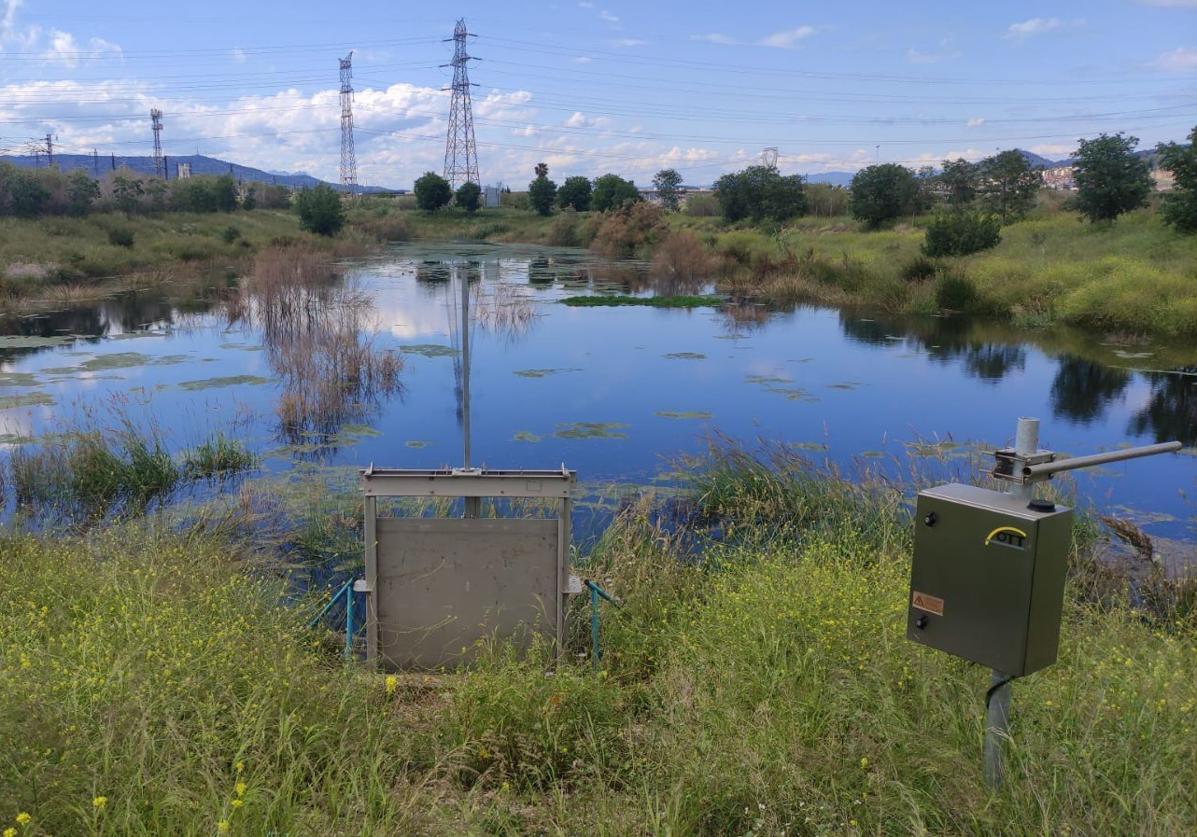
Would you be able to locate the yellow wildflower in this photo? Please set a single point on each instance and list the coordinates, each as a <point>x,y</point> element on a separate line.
<point>392,684</point>
<point>240,788</point>
<point>10,832</point>
<point>239,766</point>
<point>237,803</point>
<point>222,827</point>
<point>99,802</point>
<point>864,763</point>
<point>23,818</point>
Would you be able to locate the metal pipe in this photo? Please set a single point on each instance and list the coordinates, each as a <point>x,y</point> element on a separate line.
<point>1046,469</point>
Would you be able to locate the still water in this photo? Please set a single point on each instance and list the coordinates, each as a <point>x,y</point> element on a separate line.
<point>614,392</point>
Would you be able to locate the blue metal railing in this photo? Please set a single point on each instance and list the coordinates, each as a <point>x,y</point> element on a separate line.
<point>596,593</point>
<point>345,590</point>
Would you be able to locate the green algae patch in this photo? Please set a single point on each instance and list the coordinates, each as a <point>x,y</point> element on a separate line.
<point>417,444</point>
<point>18,379</point>
<point>525,436</point>
<point>685,356</point>
<point>618,300</point>
<point>224,381</point>
<point>428,350</point>
<point>117,360</point>
<point>699,415</point>
<point>542,373</point>
<point>30,399</point>
<point>591,430</point>
<point>20,341</point>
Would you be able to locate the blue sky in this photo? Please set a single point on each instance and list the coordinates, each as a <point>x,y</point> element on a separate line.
<point>596,86</point>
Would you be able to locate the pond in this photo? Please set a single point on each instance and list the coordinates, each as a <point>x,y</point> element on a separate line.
<point>305,374</point>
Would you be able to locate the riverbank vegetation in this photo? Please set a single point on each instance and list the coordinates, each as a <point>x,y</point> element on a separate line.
<point>153,683</point>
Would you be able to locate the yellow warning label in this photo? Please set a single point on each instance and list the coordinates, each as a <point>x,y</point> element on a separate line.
<point>931,604</point>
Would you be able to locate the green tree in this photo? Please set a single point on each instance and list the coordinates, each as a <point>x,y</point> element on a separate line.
<point>469,197</point>
<point>542,191</point>
<point>1110,178</point>
<point>224,193</point>
<point>320,210</point>
<point>612,192</point>
<point>251,198</point>
<point>759,193</point>
<point>192,195</point>
<point>959,181</point>
<point>668,183</point>
<point>432,192</point>
<point>1180,205</point>
<point>1008,185</point>
<point>126,193</point>
<point>574,193</point>
<point>959,233</point>
<point>81,192</point>
<point>883,193</point>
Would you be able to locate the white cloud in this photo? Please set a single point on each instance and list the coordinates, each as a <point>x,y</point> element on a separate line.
<point>583,59</point>
<point>64,49</point>
<point>1041,26</point>
<point>238,56</point>
<point>785,39</point>
<point>976,122</point>
<point>585,5</point>
<point>607,16</point>
<point>1179,60</point>
<point>9,18</point>
<point>946,52</point>
<point>629,42</point>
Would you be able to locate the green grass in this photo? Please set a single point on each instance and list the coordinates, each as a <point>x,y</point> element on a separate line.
<point>617,300</point>
<point>218,456</point>
<point>768,687</point>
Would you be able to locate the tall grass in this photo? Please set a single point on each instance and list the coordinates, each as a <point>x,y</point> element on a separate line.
<point>762,684</point>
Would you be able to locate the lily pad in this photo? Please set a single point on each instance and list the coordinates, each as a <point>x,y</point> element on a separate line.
<point>591,430</point>
<point>428,350</point>
<point>225,381</point>
<point>30,399</point>
<point>525,436</point>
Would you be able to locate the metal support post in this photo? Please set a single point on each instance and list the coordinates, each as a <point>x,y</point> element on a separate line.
<point>349,626</point>
<point>998,695</point>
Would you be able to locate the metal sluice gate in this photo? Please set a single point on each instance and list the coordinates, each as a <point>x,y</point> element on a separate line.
<point>435,587</point>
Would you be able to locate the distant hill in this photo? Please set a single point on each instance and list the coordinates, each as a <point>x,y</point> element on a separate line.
<point>199,163</point>
<point>835,178</point>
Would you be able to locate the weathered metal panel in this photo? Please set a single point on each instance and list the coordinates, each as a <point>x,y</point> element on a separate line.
<point>443,584</point>
<point>404,482</point>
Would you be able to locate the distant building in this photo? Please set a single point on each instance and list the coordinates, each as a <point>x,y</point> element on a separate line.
<point>492,196</point>
<point>1059,178</point>
<point>183,171</point>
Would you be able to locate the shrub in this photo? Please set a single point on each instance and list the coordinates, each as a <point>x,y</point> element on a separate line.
<point>684,256</point>
<point>630,232</point>
<point>570,230</point>
<point>230,234</point>
<point>883,193</point>
<point>961,233</point>
<point>320,210</point>
<point>760,193</point>
<point>574,194</point>
<point>612,192</point>
<point>120,237</point>
<point>955,293</point>
<point>469,197</point>
<point>701,206</point>
<point>919,270</point>
<point>432,192</point>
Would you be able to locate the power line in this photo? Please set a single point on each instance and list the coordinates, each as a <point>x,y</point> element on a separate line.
<point>461,152</point>
<point>348,155</point>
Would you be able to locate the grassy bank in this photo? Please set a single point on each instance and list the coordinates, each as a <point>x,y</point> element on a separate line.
<point>1135,276</point>
<point>51,262</point>
<point>767,688</point>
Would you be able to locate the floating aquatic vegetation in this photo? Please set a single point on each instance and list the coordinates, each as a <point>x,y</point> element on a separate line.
<point>525,436</point>
<point>600,301</point>
<point>685,356</point>
<point>591,430</point>
<point>243,347</point>
<point>792,393</point>
<point>18,379</point>
<point>767,379</point>
<point>20,341</point>
<point>819,446</point>
<point>684,414</point>
<point>428,350</point>
<point>844,385</point>
<point>117,360</point>
<point>30,399</point>
<point>363,430</point>
<point>224,381</point>
<point>416,444</point>
<point>542,373</point>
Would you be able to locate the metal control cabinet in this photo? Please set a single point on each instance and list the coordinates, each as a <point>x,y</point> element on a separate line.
<point>987,581</point>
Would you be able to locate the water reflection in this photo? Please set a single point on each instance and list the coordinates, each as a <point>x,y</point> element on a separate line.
<point>1082,389</point>
<point>1171,411</point>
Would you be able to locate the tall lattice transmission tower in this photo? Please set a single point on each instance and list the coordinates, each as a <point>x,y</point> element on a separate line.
<point>461,152</point>
<point>348,155</point>
<point>156,122</point>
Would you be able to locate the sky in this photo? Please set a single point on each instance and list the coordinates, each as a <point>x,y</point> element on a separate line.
<point>591,87</point>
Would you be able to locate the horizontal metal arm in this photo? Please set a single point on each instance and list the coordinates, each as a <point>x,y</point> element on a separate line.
<point>1046,469</point>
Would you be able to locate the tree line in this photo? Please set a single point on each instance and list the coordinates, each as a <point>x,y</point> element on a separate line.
<point>34,193</point>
